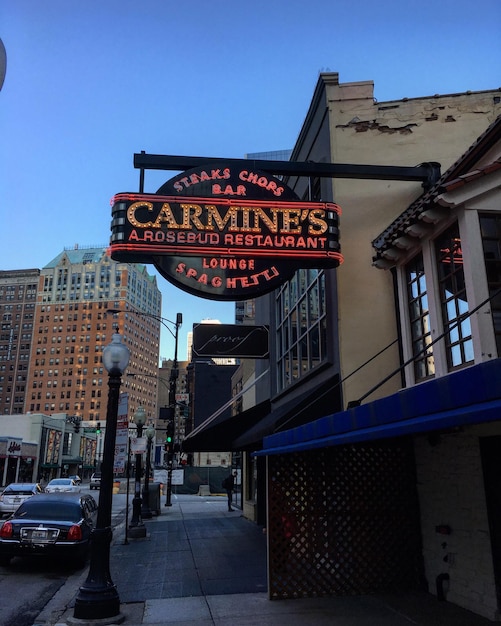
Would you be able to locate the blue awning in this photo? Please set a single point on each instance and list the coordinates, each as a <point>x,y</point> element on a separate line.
<point>469,396</point>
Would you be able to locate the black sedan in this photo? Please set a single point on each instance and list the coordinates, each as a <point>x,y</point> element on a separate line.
<point>51,524</point>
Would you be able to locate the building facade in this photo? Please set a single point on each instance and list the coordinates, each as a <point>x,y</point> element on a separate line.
<point>83,297</point>
<point>400,470</point>
<point>18,297</point>
<point>168,378</point>
<point>39,447</point>
<point>377,454</point>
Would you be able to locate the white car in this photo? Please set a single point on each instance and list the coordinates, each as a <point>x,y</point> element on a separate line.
<point>15,494</point>
<point>62,484</point>
<point>95,480</point>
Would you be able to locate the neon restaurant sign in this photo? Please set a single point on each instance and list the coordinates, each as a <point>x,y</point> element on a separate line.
<point>225,232</point>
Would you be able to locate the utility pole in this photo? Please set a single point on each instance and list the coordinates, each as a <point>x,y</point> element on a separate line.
<point>174,373</point>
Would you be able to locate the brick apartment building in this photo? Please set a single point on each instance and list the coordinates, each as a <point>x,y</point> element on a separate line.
<point>18,296</point>
<point>73,323</point>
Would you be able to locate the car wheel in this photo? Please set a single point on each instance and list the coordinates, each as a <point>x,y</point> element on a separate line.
<point>5,560</point>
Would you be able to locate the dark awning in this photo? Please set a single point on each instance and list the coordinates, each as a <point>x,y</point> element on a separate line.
<point>217,435</point>
<point>245,430</point>
<point>469,396</point>
<point>317,401</point>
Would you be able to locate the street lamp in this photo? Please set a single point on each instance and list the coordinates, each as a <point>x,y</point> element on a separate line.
<point>98,597</point>
<point>174,373</point>
<point>172,380</point>
<point>137,528</point>
<point>145,508</point>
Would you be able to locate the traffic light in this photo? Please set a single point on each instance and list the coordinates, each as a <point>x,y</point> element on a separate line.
<point>98,428</point>
<point>169,437</point>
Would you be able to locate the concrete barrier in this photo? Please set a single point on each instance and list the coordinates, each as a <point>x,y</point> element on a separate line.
<point>204,490</point>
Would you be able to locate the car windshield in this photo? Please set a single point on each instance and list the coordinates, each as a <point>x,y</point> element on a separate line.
<point>25,491</point>
<point>60,481</point>
<point>64,511</point>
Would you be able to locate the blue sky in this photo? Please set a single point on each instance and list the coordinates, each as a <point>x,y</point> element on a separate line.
<point>89,83</point>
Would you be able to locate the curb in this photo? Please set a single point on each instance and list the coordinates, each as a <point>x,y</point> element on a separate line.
<point>64,597</point>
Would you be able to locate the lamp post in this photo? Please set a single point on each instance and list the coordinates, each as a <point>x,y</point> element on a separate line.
<point>145,508</point>
<point>172,408</point>
<point>137,528</point>
<point>98,597</point>
<point>172,380</point>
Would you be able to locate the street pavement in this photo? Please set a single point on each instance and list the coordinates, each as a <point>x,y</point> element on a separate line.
<point>202,565</point>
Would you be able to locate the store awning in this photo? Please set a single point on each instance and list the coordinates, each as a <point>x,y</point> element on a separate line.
<point>245,430</point>
<point>469,396</point>
<point>217,435</point>
<point>315,402</point>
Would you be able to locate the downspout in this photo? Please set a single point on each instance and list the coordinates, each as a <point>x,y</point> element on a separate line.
<point>398,322</point>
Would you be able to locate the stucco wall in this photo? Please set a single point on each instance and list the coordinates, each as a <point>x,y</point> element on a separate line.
<point>397,133</point>
<point>451,494</point>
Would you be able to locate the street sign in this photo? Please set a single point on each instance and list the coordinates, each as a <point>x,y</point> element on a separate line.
<point>177,477</point>
<point>122,433</point>
<point>138,445</point>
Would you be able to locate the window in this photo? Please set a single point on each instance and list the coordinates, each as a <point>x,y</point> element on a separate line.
<point>419,318</point>
<point>68,437</point>
<point>490,228</point>
<point>301,326</point>
<point>458,341</point>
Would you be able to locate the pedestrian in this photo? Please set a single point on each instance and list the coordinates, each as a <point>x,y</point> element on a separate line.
<point>229,485</point>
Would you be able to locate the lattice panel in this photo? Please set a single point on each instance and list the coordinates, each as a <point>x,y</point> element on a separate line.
<point>343,520</point>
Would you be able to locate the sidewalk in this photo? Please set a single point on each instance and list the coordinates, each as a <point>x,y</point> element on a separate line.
<point>201,565</point>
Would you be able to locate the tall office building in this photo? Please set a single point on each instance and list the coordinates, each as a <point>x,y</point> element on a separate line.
<point>245,310</point>
<point>18,295</point>
<point>83,295</point>
<point>181,413</point>
<point>270,155</point>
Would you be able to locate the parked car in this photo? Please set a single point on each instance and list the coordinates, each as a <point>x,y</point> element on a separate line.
<point>50,524</point>
<point>15,494</point>
<point>95,480</point>
<point>76,478</point>
<point>62,484</point>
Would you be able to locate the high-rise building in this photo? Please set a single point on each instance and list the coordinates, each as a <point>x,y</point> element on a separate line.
<point>178,378</point>
<point>245,310</point>
<point>270,155</point>
<point>18,296</point>
<point>83,295</point>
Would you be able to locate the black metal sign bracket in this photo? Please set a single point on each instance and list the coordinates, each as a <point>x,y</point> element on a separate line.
<point>427,173</point>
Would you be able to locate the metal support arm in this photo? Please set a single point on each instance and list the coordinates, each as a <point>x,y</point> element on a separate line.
<point>428,173</point>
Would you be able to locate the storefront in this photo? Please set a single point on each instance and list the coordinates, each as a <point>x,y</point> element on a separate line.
<point>17,460</point>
